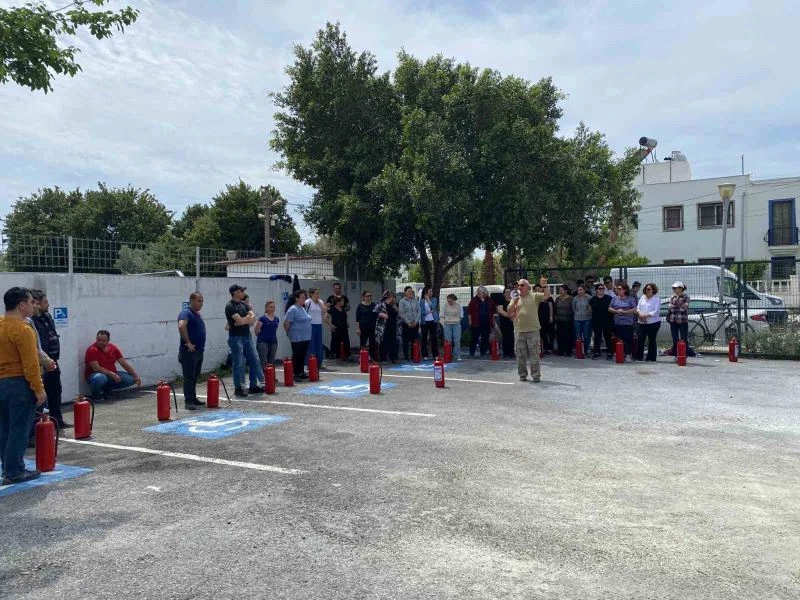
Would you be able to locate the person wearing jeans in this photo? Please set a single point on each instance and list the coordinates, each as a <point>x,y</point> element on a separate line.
<point>240,316</point>
<point>678,317</point>
<point>429,315</point>
<point>582,312</point>
<point>649,321</point>
<point>101,359</point>
<point>451,323</point>
<point>409,312</point>
<point>267,335</point>
<point>21,387</point>
<point>192,330</point>
<point>319,314</point>
<point>297,324</point>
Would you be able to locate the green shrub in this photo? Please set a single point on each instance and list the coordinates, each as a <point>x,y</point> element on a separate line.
<point>781,341</point>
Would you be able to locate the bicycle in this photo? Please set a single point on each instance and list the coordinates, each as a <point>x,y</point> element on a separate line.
<point>701,333</point>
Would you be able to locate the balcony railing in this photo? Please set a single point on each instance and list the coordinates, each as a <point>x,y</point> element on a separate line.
<point>781,236</point>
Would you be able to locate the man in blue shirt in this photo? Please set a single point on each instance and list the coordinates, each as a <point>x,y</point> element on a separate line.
<point>190,353</point>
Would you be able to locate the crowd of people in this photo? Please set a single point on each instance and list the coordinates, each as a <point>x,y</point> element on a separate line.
<point>528,321</point>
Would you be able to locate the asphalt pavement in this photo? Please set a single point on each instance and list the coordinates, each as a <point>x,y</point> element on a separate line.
<point>632,481</point>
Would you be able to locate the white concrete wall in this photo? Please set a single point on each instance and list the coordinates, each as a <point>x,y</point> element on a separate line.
<point>141,313</point>
<point>745,241</point>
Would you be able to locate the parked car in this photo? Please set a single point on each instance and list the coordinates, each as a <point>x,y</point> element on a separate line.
<point>704,280</point>
<point>706,318</point>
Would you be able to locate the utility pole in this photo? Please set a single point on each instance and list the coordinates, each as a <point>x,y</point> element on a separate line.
<point>269,203</point>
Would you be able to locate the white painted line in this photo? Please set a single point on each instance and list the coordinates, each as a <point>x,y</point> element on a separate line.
<point>368,410</point>
<point>351,408</point>
<point>446,379</point>
<point>195,457</point>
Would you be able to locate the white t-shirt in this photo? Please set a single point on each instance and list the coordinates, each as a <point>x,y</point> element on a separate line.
<point>314,311</point>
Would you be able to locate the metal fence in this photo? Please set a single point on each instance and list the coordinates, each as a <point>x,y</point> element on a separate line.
<point>759,305</point>
<point>67,254</point>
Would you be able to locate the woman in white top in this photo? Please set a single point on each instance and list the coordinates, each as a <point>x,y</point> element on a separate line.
<point>649,310</point>
<point>318,312</point>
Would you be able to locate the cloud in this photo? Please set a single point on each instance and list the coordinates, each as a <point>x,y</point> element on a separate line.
<point>178,104</point>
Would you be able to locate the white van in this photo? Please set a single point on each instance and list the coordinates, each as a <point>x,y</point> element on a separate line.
<point>703,280</point>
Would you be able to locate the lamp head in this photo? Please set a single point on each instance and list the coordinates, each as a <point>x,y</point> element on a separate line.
<point>726,190</point>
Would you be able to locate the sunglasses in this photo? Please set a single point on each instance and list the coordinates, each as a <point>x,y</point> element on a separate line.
<point>600,287</point>
<point>368,296</point>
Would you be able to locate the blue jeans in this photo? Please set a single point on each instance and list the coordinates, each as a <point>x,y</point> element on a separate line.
<point>242,349</point>
<point>315,345</point>
<point>17,404</point>
<point>100,383</point>
<point>583,329</point>
<point>452,334</point>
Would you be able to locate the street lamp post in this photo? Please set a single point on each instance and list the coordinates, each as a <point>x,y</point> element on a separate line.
<point>726,193</point>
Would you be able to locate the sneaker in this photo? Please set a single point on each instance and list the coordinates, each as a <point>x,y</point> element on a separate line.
<point>240,392</point>
<point>22,477</point>
<point>301,377</point>
<point>595,356</point>
<point>65,425</point>
<point>537,379</point>
<point>255,389</point>
<point>197,402</point>
<point>323,368</point>
<point>523,378</point>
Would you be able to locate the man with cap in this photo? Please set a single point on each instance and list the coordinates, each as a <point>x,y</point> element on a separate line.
<point>239,318</point>
<point>524,311</point>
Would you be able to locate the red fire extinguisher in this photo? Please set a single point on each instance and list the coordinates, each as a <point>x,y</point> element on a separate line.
<point>46,435</point>
<point>448,352</point>
<point>269,379</point>
<point>375,376</point>
<point>212,392</point>
<point>416,356</point>
<point>438,373</point>
<point>681,353</point>
<point>619,352</point>
<point>494,350</point>
<point>162,400</point>
<point>733,350</point>
<point>83,413</point>
<point>363,360</point>
<point>313,368</point>
<point>579,348</point>
<point>288,372</point>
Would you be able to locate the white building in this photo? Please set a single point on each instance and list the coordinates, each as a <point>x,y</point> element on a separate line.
<point>680,220</point>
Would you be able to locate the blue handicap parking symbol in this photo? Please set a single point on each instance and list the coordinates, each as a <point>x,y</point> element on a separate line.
<point>60,473</point>
<point>217,424</point>
<point>347,388</point>
<point>424,367</point>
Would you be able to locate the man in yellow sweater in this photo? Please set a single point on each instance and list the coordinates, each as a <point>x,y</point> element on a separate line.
<point>21,387</point>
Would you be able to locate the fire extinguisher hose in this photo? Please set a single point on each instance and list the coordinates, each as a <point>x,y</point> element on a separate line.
<point>225,388</point>
<point>174,395</point>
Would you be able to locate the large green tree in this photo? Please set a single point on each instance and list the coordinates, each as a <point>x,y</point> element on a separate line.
<point>231,222</point>
<point>30,52</point>
<point>436,160</point>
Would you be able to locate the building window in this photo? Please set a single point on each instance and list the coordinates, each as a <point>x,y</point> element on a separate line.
<point>673,262</point>
<point>673,218</point>
<point>714,260</point>
<point>709,215</point>
<point>783,267</point>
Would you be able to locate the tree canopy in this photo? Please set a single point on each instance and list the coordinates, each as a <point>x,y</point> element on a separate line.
<point>439,158</point>
<point>30,53</point>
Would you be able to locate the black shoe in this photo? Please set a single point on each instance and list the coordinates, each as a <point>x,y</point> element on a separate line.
<point>240,392</point>
<point>255,389</point>
<point>301,376</point>
<point>65,425</point>
<point>197,402</point>
<point>189,406</point>
<point>23,477</point>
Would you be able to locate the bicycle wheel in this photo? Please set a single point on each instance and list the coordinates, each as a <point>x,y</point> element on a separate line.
<point>697,335</point>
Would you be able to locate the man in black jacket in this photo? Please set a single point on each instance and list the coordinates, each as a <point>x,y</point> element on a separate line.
<point>48,339</point>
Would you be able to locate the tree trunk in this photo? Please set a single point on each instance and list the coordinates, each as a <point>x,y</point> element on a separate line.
<point>489,276</point>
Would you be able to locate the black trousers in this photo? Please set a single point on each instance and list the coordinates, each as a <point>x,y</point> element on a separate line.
<point>647,334</point>
<point>299,350</point>
<point>625,333</point>
<point>52,387</point>
<point>547,333</point>
<point>367,341</point>
<point>409,336</point>
<point>565,333</point>
<point>389,344</point>
<point>507,331</point>
<point>480,333</point>
<point>192,366</point>
<point>429,330</point>
<point>602,331</point>
<point>338,337</point>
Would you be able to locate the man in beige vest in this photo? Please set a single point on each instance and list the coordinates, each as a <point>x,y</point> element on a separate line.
<point>524,311</point>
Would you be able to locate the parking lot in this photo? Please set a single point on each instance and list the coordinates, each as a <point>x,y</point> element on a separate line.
<point>640,480</point>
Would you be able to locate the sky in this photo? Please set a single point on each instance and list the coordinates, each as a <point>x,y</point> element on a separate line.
<point>179,104</point>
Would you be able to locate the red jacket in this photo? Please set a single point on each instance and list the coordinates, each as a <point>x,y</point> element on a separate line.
<point>474,308</point>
